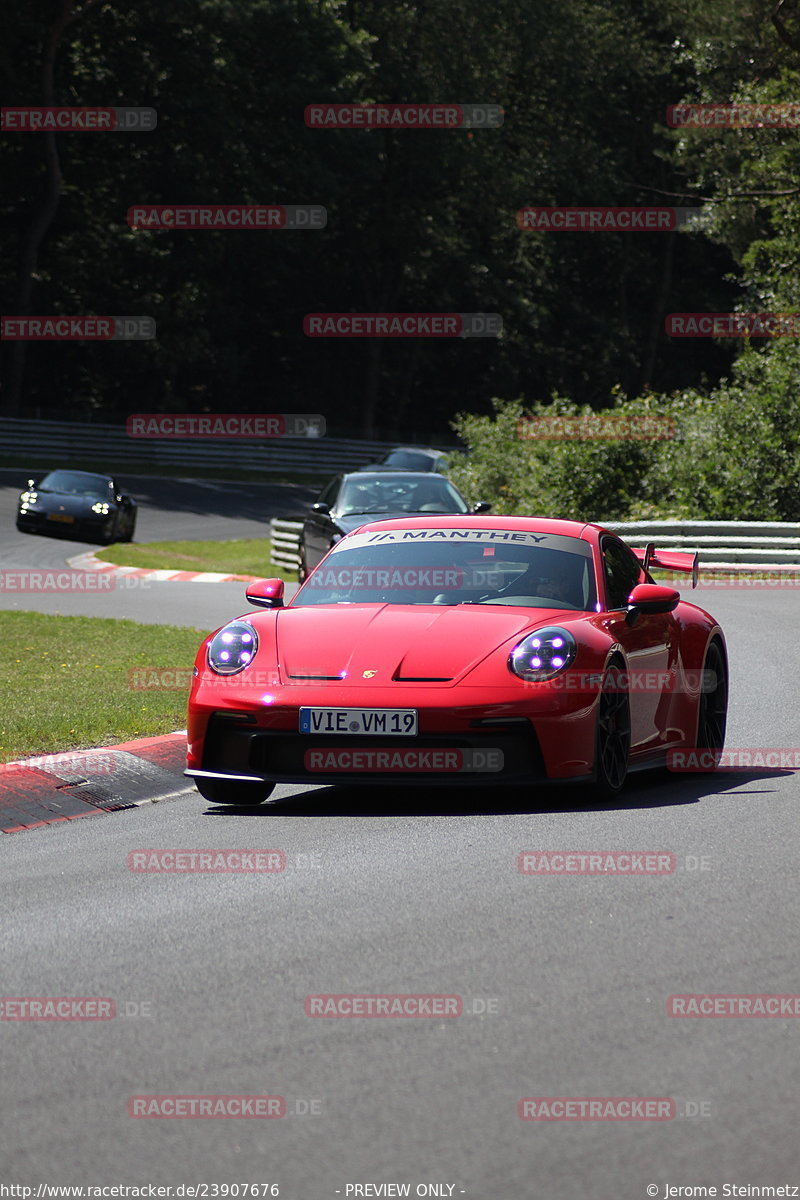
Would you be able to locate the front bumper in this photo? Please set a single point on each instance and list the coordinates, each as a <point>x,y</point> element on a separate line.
<point>503,739</point>
<point>42,523</point>
<point>485,757</point>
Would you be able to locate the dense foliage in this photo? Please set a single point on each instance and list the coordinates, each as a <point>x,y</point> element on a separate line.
<point>420,221</point>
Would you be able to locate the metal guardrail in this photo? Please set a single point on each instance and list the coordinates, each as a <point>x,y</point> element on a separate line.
<point>777,544</point>
<point>721,544</point>
<point>29,440</point>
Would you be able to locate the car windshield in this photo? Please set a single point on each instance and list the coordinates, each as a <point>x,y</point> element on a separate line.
<point>76,484</point>
<point>409,461</point>
<point>390,494</point>
<point>454,567</point>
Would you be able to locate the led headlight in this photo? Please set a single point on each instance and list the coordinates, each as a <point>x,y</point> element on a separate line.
<point>101,507</point>
<point>233,648</point>
<point>542,654</point>
<point>29,497</point>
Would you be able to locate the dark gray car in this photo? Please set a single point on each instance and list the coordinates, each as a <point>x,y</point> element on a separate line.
<point>355,498</point>
<point>409,458</point>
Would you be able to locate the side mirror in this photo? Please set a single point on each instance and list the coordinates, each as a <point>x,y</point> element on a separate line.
<point>265,593</point>
<point>320,507</point>
<point>650,599</point>
<point>482,506</point>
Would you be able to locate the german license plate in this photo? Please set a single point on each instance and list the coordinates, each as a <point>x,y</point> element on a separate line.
<point>397,722</point>
<point>65,517</point>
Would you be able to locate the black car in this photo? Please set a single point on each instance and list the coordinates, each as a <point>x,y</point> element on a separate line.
<point>79,503</point>
<point>409,458</point>
<point>353,499</point>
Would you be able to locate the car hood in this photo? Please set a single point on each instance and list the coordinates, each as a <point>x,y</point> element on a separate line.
<point>425,643</point>
<point>354,520</point>
<point>66,502</point>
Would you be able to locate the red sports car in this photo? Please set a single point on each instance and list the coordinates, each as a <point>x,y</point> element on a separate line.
<point>459,650</point>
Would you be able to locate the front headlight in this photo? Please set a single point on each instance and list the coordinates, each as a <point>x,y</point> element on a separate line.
<point>101,507</point>
<point>233,648</point>
<point>542,654</point>
<point>29,497</point>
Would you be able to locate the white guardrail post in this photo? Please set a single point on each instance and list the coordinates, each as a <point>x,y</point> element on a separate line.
<point>286,542</point>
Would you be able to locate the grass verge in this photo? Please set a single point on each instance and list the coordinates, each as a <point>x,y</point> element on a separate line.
<point>241,556</point>
<point>69,682</point>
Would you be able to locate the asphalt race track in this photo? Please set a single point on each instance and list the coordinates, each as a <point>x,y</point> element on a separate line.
<point>564,981</point>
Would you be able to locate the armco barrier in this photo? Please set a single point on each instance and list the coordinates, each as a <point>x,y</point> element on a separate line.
<point>28,441</point>
<point>720,543</point>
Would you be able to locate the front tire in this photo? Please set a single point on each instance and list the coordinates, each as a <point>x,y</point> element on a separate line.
<point>613,738</point>
<point>110,532</point>
<point>230,791</point>
<point>129,532</point>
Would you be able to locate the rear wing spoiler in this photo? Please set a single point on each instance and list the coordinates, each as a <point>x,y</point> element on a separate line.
<point>669,560</point>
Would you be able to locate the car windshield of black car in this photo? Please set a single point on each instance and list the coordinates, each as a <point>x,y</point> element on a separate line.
<point>384,495</point>
<point>409,461</point>
<point>74,483</point>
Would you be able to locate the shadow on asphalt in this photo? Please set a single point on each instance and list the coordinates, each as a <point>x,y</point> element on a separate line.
<point>654,789</point>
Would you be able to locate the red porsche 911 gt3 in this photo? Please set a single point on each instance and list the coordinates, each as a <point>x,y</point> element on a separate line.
<point>459,650</point>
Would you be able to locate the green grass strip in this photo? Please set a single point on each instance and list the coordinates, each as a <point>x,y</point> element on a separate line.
<point>71,682</point>
<point>242,556</point>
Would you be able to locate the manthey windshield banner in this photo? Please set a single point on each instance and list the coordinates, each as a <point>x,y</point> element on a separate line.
<point>481,537</point>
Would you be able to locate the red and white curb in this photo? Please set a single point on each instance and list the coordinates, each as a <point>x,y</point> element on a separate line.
<point>90,562</point>
<point>83,783</point>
